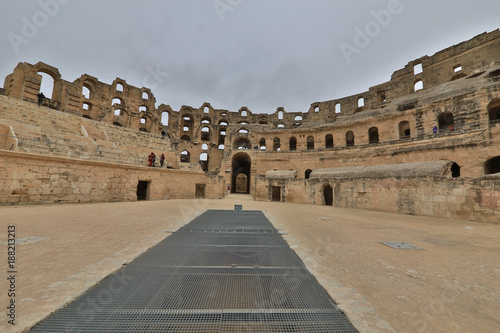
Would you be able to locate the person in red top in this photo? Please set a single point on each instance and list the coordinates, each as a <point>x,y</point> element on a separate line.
<point>151,159</point>
<point>162,160</point>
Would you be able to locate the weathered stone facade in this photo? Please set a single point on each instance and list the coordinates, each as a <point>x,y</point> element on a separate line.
<point>444,107</point>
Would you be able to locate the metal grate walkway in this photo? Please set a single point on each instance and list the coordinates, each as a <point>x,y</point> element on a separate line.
<point>222,272</point>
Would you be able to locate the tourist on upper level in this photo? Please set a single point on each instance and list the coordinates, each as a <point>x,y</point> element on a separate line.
<point>162,160</point>
<point>151,159</point>
<point>40,96</point>
<point>434,130</point>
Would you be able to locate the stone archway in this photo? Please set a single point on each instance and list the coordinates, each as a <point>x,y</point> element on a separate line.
<point>241,164</point>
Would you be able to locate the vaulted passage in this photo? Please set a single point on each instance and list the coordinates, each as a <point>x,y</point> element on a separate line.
<point>241,165</point>
<point>222,272</point>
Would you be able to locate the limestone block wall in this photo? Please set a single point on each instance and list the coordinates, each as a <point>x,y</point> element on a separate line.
<point>476,199</point>
<point>38,179</point>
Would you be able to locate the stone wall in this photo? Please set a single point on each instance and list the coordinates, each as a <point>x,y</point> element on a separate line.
<point>475,199</point>
<point>38,179</point>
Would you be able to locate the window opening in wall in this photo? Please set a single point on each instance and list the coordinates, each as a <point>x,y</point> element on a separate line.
<point>404,130</point>
<point>143,120</point>
<point>117,124</point>
<point>316,109</point>
<point>494,111</point>
<point>338,108</point>
<point>243,131</point>
<point>381,96</point>
<point>119,87</point>
<point>457,68</point>
<point>328,195</point>
<point>142,129</point>
<point>145,95</point>
<point>242,143</point>
<point>276,144</point>
<point>86,106</point>
<point>118,112</point>
<point>329,141</point>
<point>307,174</point>
<point>223,124</point>
<point>205,133</point>
<point>205,121</point>
<point>349,139</point>
<point>455,170</point>
<point>206,109</point>
<point>446,122</point>
<point>361,102</point>
<point>116,101</point>
<point>185,129</point>
<point>241,165</point>
<point>492,166</point>
<point>276,193</point>
<point>164,118</point>
<point>204,161</point>
<point>262,144</point>
<point>143,109</point>
<point>281,126</point>
<point>142,190</point>
<point>280,115</point>
<point>373,135</point>
<point>419,85</point>
<point>221,147</point>
<point>204,146</point>
<point>185,137</point>
<point>185,156</point>
<point>417,69</point>
<point>86,92</point>
<point>310,143</point>
<point>293,143</point>
<point>263,122</point>
<point>47,85</point>
<point>244,113</point>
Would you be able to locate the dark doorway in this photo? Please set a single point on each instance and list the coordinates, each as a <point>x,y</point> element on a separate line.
<point>276,193</point>
<point>200,191</point>
<point>328,194</point>
<point>492,166</point>
<point>455,170</point>
<point>142,190</point>
<point>241,165</point>
<point>307,173</point>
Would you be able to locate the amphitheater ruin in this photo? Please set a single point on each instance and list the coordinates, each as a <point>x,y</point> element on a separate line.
<point>423,143</point>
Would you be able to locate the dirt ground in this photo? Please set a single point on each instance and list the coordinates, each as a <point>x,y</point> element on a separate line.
<point>452,285</point>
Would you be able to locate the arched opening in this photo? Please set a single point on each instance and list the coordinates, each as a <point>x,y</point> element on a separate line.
<point>243,131</point>
<point>242,143</point>
<point>492,166</point>
<point>307,173</point>
<point>244,113</point>
<point>87,106</point>
<point>47,84</point>
<point>86,91</point>
<point>338,108</point>
<point>204,146</point>
<point>280,126</point>
<point>206,121</point>
<point>349,139</point>
<point>316,109</point>
<point>293,143</point>
<point>262,144</point>
<point>361,102</point>
<point>276,144</point>
<point>446,121</point>
<point>455,170</point>
<point>241,164</point>
<point>142,129</point>
<point>142,108</point>
<point>204,161</point>
<point>117,101</point>
<point>373,135</point>
<point>329,141</point>
<point>117,112</point>
<point>145,95</point>
<point>328,195</point>
<point>205,134</point>
<point>494,111</point>
<point>222,137</point>
<point>263,121</point>
<point>185,138</point>
<point>404,130</point>
<point>117,124</point>
<point>220,147</point>
<point>87,116</point>
<point>310,143</point>
<point>185,156</point>
<point>119,87</point>
<point>143,120</point>
<point>419,85</point>
<point>241,184</point>
<point>164,118</point>
<point>280,115</point>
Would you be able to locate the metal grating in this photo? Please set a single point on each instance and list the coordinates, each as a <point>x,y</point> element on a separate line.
<point>402,246</point>
<point>223,272</point>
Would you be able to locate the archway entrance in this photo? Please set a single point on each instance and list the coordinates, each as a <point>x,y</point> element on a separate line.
<point>328,195</point>
<point>241,165</point>
<point>142,190</point>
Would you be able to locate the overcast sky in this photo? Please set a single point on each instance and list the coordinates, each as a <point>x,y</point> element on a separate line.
<point>262,54</point>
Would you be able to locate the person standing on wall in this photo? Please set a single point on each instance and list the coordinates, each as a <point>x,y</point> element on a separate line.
<point>41,97</point>
<point>162,160</point>
<point>151,159</point>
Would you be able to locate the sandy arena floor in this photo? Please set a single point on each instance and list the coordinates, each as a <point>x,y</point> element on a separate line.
<point>453,285</point>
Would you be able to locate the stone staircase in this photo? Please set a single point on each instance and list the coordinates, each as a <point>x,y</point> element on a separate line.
<point>41,130</point>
